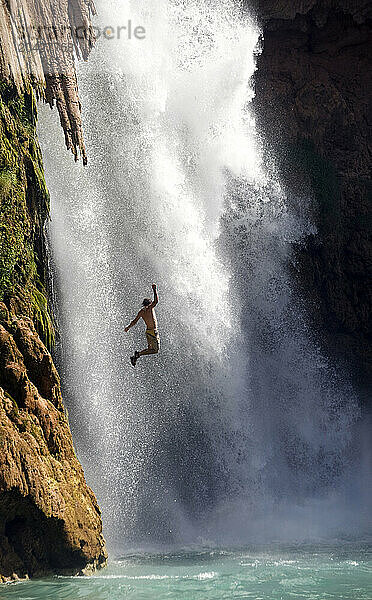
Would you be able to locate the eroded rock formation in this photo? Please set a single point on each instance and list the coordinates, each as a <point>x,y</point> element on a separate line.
<point>38,39</point>
<point>49,518</point>
<point>313,103</point>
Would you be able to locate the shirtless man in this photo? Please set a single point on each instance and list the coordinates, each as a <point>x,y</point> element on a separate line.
<point>148,315</point>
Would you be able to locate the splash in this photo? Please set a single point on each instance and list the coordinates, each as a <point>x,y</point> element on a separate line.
<point>240,408</point>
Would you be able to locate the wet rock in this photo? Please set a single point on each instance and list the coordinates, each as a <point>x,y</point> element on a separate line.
<point>313,104</point>
<point>49,518</point>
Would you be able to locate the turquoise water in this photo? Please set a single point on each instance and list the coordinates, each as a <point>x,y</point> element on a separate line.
<point>342,572</point>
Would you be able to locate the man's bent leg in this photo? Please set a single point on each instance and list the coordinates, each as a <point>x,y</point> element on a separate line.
<point>152,343</point>
<point>147,351</point>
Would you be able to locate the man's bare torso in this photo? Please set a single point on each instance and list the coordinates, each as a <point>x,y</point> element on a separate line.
<point>149,316</point>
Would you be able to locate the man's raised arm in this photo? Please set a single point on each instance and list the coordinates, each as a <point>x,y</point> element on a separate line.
<point>156,297</point>
<point>135,320</point>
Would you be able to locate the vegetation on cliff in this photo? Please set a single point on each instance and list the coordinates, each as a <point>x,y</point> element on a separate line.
<point>49,518</point>
<point>24,207</point>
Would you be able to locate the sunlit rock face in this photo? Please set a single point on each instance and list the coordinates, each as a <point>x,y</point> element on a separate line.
<point>313,102</point>
<point>38,42</point>
<point>49,518</point>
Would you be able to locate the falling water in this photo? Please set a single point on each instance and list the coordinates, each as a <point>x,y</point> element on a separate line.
<point>239,414</point>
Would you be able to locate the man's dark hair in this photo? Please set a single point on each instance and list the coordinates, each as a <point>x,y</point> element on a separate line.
<point>146,302</point>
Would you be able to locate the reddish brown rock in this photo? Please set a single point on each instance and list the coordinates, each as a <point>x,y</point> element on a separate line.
<point>49,518</point>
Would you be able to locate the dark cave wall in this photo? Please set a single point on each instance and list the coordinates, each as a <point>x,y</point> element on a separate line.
<point>313,102</point>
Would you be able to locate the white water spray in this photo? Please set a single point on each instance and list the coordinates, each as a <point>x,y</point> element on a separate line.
<point>238,408</point>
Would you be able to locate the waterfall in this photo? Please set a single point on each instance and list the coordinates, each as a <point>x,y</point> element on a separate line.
<point>239,413</point>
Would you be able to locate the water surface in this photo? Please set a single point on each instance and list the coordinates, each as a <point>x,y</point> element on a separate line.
<point>339,572</point>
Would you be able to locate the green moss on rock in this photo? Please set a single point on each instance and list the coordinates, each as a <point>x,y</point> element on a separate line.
<point>24,208</point>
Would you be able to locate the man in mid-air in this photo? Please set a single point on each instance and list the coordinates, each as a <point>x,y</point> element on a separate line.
<point>147,313</point>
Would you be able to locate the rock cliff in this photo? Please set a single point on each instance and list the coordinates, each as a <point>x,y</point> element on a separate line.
<point>313,102</point>
<point>49,518</point>
<point>38,42</point>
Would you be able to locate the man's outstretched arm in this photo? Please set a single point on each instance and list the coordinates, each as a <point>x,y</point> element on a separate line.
<point>156,297</point>
<point>135,320</point>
